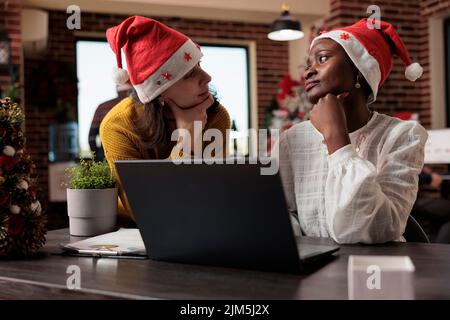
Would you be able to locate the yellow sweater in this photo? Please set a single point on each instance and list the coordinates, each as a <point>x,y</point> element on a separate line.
<point>121,141</point>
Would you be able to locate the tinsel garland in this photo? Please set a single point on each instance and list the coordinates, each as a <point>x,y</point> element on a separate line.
<point>22,220</point>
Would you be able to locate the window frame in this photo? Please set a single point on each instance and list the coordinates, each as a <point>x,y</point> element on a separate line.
<point>249,45</point>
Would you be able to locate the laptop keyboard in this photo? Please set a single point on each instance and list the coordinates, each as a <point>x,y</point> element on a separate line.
<point>310,250</point>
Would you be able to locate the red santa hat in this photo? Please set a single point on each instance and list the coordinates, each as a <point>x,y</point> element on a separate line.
<point>372,50</point>
<point>157,56</point>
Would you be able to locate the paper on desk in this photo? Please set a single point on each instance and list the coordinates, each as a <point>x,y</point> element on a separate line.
<point>122,242</point>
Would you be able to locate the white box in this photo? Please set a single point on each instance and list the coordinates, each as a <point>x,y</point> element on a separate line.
<point>380,277</point>
<point>437,147</point>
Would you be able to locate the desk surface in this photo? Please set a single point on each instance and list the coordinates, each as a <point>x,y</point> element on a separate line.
<point>45,277</point>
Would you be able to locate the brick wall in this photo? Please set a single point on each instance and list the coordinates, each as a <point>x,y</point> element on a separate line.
<point>10,23</point>
<point>272,64</point>
<point>432,7</point>
<point>409,18</point>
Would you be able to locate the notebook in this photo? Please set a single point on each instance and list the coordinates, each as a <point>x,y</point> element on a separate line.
<point>124,242</point>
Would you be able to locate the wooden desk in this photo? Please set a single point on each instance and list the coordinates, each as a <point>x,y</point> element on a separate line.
<point>45,277</point>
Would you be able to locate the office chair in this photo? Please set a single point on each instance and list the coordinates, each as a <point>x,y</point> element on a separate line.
<point>414,232</point>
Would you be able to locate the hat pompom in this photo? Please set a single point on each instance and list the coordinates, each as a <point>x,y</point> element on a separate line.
<point>120,76</point>
<point>413,72</point>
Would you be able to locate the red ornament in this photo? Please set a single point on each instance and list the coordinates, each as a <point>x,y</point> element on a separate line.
<point>167,76</point>
<point>4,196</point>
<point>187,56</point>
<point>33,192</point>
<point>15,224</point>
<point>7,163</point>
<point>280,98</point>
<point>287,83</point>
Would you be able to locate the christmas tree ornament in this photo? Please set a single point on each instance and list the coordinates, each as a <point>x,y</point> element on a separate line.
<point>22,221</point>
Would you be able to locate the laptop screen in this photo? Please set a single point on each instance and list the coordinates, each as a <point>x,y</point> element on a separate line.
<point>437,148</point>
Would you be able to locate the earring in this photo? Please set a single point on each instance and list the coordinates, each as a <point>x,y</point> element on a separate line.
<point>357,84</point>
<point>161,102</point>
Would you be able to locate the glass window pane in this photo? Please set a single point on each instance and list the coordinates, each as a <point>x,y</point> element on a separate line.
<point>95,64</point>
<point>227,65</point>
<point>228,68</point>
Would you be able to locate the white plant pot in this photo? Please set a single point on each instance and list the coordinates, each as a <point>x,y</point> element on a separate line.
<point>91,211</point>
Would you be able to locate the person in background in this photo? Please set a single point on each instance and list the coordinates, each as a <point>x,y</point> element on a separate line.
<point>351,173</point>
<point>433,210</point>
<point>101,111</point>
<point>170,92</point>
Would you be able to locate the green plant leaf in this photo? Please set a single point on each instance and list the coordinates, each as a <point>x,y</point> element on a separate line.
<point>90,174</point>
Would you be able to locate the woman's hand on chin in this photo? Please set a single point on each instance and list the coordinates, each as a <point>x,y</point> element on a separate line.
<point>328,117</point>
<point>185,118</point>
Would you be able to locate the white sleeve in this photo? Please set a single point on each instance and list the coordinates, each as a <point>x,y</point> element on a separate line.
<point>371,204</point>
<point>287,179</point>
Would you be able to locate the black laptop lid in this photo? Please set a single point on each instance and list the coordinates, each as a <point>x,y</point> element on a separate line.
<point>220,214</point>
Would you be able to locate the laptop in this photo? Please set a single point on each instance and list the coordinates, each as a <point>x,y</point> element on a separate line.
<point>226,215</point>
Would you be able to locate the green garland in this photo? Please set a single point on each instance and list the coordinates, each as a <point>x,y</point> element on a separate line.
<point>22,220</point>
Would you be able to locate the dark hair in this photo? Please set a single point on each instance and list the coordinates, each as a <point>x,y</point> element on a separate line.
<point>152,127</point>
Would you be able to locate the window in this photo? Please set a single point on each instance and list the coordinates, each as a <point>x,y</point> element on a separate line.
<point>95,63</point>
<point>228,66</point>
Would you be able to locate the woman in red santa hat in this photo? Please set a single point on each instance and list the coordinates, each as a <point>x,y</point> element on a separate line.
<point>351,173</point>
<point>170,92</point>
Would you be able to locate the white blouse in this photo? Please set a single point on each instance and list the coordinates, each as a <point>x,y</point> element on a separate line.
<point>351,196</point>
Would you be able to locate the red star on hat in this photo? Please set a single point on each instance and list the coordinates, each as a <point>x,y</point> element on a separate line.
<point>345,36</point>
<point>157,56</point>
<point>372,51</point>
<point>187,56</point>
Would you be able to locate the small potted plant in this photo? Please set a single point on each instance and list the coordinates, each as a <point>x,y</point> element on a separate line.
<point>91,198</point>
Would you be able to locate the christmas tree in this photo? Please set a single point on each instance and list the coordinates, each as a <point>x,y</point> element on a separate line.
<point>22,221</point>
<point>289,107</point>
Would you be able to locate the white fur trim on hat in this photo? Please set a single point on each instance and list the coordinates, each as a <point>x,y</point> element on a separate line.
<point>124,87</point>
<point>120,76</point>
<point>413,72</point>
<point>363,60</point>
<point>176,67</point>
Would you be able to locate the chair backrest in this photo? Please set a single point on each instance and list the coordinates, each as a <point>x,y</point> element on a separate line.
<point>414,232</point>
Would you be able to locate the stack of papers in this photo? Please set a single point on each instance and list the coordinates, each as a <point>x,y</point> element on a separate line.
<point>124,242</point>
